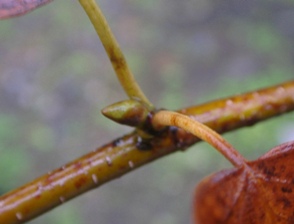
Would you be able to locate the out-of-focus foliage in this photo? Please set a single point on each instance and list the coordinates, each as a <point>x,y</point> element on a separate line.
<point>13,8</point>
<point>55,77</point>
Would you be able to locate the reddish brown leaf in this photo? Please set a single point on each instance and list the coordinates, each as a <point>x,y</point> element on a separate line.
<point>12,8</point>
<point>260,192</point>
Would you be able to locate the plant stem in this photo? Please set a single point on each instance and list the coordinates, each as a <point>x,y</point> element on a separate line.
<point>170,118</point>
<point>114,53</point>
<point>122,155</point>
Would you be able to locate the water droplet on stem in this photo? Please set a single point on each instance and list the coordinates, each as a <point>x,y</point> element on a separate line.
<point>61,199</point>
<point>94,178</point>
<point>131,164</point>
<point>108,160</point>
<point>18,216</point>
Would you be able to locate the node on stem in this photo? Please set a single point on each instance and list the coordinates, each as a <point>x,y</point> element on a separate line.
<point>169,118</point>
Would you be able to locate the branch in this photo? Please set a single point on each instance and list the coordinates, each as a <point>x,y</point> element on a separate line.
<point>122,155</point>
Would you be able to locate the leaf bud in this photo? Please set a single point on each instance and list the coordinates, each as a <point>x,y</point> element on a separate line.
<point>128,112</point>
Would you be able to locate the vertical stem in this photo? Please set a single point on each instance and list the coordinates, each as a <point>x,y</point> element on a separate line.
<point>114,53</point>
<point>169,118</point>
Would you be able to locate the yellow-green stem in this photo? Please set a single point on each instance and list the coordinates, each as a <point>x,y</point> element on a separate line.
<point>114,53</point>
<point>122,155</point>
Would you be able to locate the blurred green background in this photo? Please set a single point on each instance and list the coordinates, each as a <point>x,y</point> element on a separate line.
<point>55,78</point>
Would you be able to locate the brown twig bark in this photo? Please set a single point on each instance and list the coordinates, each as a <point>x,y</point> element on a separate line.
<point>123,155</point>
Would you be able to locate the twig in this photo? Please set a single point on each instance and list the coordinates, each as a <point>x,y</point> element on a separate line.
<point>122,155</point>
<point>114,53</point>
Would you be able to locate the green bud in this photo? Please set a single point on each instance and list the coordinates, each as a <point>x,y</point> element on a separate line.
<point>128,112</point>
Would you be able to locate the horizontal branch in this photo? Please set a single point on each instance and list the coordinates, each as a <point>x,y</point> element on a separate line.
<point>122,155</point>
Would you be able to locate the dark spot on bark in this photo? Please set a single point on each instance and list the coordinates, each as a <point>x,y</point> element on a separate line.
<point>147,125</point>
<point>80,182</point>
<point>270,171</point>
<point>286,202</point>
<point>174,136</point>
<point>283,168</point>
<point>118,62</point>
<point>286,190</point>
<point>117,142</point>
<point>143,145</point>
